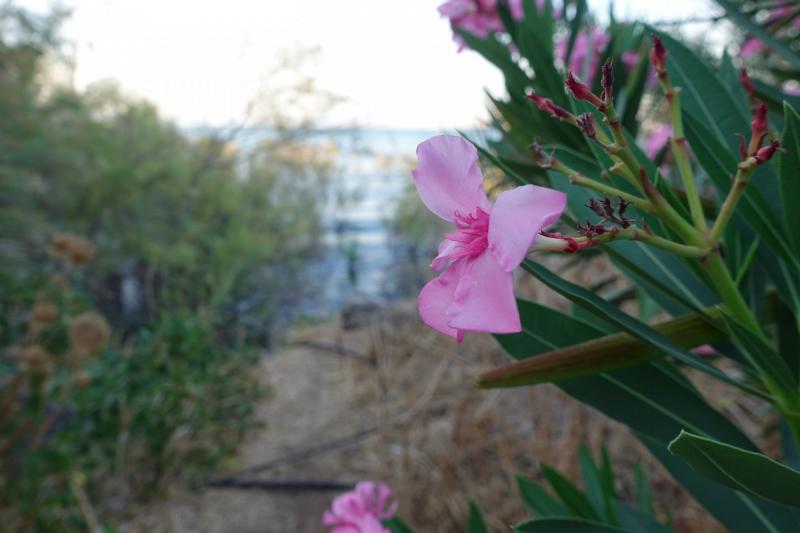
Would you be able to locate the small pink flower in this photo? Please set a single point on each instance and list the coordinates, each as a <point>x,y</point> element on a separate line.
<point>792,89</point>
<point>705,350</point>
<point>751,47</point>
<point>657,141</point>
<point>630,59</point>
<point>475,290</point>
<point>589,46</point>
<point>361,510</point>
<point>478,17</point>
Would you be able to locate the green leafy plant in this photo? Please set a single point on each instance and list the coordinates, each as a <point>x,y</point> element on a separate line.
<point>88,421</point>
<point>705,231</point>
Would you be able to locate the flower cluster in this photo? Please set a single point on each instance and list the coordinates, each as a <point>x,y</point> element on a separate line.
<point>361,510</point>
<point>478,17</point>
<point>782,15</point>
<point>586,52</point>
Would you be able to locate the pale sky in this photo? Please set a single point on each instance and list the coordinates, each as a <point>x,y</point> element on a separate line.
<point>201,61</point>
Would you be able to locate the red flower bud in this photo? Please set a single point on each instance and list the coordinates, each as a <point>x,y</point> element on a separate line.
<point>747,83</point>
<point>765,154</point>
<point>607,80</point>
<point>581,91</point>
<point>759,119</point>
<point>586,124</point>
<point>658,55</point>
<point>742,146</point>
<point>548,106</point>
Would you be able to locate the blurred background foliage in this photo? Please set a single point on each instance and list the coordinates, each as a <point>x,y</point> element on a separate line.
<point>143,269</point>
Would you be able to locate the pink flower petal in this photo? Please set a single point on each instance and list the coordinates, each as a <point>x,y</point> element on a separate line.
<point>484,299</point>
<point>448,178</point>
<point>456,8</point>
<point>518,10</point>
<point>657,141</point>
<point>751,47</point>
<point>435,298</point>
<point>517,217</point>
<point>371,524</point>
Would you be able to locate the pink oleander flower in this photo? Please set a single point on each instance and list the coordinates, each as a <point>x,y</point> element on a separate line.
<point>657,141</point>
<point>792,90</point>
<point>588,48</point>
<point>751,47</point>
<point>361,510</point>
<point>630,59</point>
<point>475,290</point>
<point>479,17</point>
<point>705,350</point>
<point>775,20</point>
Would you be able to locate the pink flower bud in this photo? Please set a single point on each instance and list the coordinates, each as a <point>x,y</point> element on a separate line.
<point>581,91</point>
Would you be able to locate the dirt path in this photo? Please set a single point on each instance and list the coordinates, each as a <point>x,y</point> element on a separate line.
<point>307,406</point>
<point>438,441</point>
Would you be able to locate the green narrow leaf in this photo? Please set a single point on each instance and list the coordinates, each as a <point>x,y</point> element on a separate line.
<point>754,514</point>
<point>396,525</point>
<point>538,500</point>
<point>729,76</point>
<point>666,279</point>
<point>601,501</point>
<point>570,495</point>
<point>476,522</point>
<point>788,339</point>
<point>634,89</point>
<point>654,414</point>
<point>773,96</point>
<point>719,164</point>
<point>789,173</point>
<point>627,323</point>
<point>761,355</point>
<point>607,474</point>
<point>791,455</point>
<point>635,520</point>
<point>720,114</point>
<point>565,525</point>
<point>575,28</point>
<point>739,469</point>
<point>643,494</point>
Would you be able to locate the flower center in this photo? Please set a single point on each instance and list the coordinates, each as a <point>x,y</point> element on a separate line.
<point>469,240</point>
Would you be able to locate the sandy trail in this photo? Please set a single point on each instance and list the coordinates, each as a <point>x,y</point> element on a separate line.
<point>438,441</point>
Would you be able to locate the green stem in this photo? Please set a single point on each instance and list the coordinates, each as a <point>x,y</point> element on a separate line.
<point>681,154</point>
<point>727,291</point>
<point>577,178</point>
<point>793,421</point>
<point>734,195</point>
<point>623,167</point>
<point>637,234</point>
<point>687,232</point>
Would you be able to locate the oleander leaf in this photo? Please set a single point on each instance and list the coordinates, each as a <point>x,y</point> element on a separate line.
<point>742,470</point>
